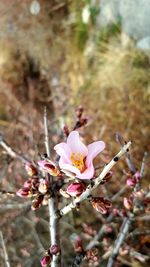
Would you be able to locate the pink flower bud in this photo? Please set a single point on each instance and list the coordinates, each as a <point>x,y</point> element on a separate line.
<point>131,181</point>
<point>49,166</point>
<point>27,183</point>
<point>79,111</point>
<point>43,186</point>
<point>108,229</point>
<point>24,192</point>
<point>78,245</point>
<point>137,176</point>
<point>30,169</point>
<point>54,250</point>
<point>66,130</point>
<point>75,189</point>
<point>46,260</point>
<point>100,204</point>
<point>35,183</point>
<point>92,255</point>
<point>115,212</point>
<point>127,203</point>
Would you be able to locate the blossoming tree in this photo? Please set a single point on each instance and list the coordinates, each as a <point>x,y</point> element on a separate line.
<point>71,174</point>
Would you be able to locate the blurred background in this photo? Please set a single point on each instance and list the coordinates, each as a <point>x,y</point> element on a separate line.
<point>62,54</point>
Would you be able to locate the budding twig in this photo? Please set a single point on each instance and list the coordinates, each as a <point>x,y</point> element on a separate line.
<point>53,206</point>
<point>97,181</point>
<point>126,222</point>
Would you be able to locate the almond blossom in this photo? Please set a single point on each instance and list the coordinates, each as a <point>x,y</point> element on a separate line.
<point>76,157</point>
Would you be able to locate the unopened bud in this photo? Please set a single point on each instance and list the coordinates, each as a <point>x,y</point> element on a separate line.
<point>78,245</point>
<point>92,255</point>
<point>75,189</point>
<point>100,204</point>
<point>43,186</point>
<point>27,183</point>
<point>127,203</point>
<point>37,202</point>
<point>115,212</point>
<point>35,183</point>
<point>46,260</point>
<point>24,192</point>
<point>66,130</point>
<point>131,182</point>
<point>83,121</point>
<point>79,111</point>
<point>45,199</point>
<point>30,169</point>
<point>49,166</point>
<point>54,250</point>
<point>137,176</point>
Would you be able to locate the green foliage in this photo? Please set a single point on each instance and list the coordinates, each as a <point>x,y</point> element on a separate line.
<point>110,31</point>
<point>81,34</point>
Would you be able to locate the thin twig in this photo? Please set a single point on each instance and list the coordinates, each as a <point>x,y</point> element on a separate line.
<point>12,152</point>
<point>143,164</point>
<point>119,241</point>
<point>4,250</point>
<point>129,161</point>
<point>126,222</point>
<point>102,230</point>
<point>47,145</point>
<point>100,233</point>
<point>52,205</point>
<point>35,235</point>
<point>59,6</point>
<point>97,181</point>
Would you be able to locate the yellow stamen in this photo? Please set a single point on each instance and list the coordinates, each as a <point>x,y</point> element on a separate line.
<point>77,160</point>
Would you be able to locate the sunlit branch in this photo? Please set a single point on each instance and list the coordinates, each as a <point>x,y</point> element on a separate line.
<point>96,182</point>
<point>52,205</point>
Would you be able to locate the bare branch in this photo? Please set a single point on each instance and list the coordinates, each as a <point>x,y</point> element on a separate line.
<point>143,164</point>
<point>12,152</point>
<point>4,250</point>
<point>120,239</point>
<point>129,161</point>
<point>52,205</point>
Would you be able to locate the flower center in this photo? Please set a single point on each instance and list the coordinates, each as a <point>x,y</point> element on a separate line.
<point>77,160</point>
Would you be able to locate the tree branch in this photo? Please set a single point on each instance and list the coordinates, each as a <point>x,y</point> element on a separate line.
<point>52,205</point>
<point>120,239</point>
<point>4,250</point>
<point>12,152</point>
<point>96,182</point>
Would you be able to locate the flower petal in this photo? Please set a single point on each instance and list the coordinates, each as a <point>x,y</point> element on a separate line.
<point>64,151</point>
<point>75,144</point>
<point>93,150</point>
<point>87,174</point>
<point>69,168</point>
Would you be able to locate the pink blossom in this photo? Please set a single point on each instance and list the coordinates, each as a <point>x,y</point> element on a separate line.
<point>46,260</point>
<point>75,189</point>
<point>77,158</point>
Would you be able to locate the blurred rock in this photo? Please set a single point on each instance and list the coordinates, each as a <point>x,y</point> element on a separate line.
<point>133,16</point>
<point>144,44</point>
